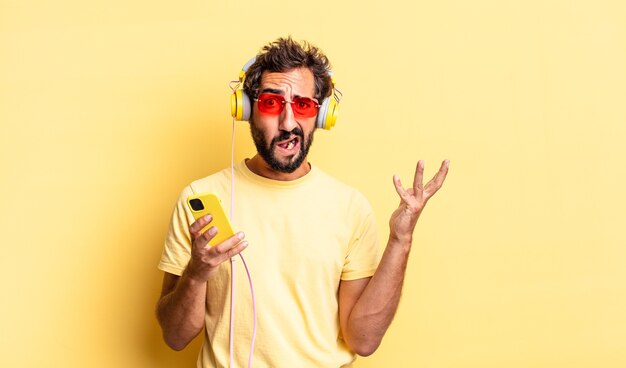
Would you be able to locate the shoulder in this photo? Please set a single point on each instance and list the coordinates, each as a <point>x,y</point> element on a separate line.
<point>217,183</point>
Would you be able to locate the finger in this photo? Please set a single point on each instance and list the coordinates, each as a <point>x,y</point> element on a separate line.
<point>229,248</point>
<point>198,225</point>
<point>437,181</point>
<point>226,245</point>
<point>237,249</point>
<point>418,181</point>
<point>398,185</point>
<point>404,195</point>
<point>202,240</point>
<point>206,236</point>
<point>214,258</point>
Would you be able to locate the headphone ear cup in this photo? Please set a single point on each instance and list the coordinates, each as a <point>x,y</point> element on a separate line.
<point>240,106</point>
<point>327,114</point>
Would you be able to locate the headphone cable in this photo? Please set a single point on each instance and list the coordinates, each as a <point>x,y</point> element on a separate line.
<point>232,268</point>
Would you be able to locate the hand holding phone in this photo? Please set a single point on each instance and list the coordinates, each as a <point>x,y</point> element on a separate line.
<point>209,204</point>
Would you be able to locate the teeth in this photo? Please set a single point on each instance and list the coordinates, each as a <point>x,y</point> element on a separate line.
<point>291,144</point>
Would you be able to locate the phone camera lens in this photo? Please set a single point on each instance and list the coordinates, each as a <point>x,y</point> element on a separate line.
<point>196,204</point>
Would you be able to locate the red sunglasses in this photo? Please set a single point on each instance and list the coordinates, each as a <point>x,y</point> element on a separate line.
<point>271,104</point>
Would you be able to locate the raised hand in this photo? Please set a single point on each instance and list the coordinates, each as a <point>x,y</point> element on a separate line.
<point>413,200</point>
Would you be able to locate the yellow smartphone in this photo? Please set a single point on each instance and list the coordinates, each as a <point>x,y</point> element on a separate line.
<point>209,204</point>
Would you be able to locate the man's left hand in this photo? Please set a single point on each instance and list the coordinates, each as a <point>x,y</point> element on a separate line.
<point>413,200</point>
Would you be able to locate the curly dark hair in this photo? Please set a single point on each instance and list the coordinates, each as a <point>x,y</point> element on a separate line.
<point>285,54</point>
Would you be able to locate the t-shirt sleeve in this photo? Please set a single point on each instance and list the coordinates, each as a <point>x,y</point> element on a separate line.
<point>364,252</point>
<point>177,249</point>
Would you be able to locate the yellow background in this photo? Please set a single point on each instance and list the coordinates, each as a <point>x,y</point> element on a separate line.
<point>108,108</point>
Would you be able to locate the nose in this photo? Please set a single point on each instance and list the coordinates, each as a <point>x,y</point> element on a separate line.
<point>287,121</point>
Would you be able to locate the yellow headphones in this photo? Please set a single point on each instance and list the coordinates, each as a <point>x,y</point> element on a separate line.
<point>241,107</point>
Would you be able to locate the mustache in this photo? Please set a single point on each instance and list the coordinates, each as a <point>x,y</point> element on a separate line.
<point>284,135</point>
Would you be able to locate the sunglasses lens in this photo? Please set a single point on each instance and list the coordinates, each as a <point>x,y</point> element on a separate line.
<point>270,103</point>
<point>305,107</point>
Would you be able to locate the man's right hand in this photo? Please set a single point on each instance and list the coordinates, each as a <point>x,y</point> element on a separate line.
<point>205,259</point>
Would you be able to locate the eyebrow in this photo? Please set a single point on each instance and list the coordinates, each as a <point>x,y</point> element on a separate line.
<point>282,93</point>
<point>273,90</point>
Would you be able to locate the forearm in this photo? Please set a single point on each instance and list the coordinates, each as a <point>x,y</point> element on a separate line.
<point>367,308</point>
<point>373,312</point>
<point>181,312</point>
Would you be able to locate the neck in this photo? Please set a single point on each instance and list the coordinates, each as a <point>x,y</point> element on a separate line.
<point>258,166</point>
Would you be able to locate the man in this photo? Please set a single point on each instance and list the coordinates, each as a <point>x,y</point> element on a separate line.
<point>324,294</point>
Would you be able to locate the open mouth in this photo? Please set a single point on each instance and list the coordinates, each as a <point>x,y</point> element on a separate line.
<point>289,144</point>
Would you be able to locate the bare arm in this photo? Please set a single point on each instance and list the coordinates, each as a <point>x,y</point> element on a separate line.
<point>181,307</point>
<point>180,310</point>
<point>367,306</point>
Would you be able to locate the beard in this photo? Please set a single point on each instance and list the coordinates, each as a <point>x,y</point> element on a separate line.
<point>266,151</point>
